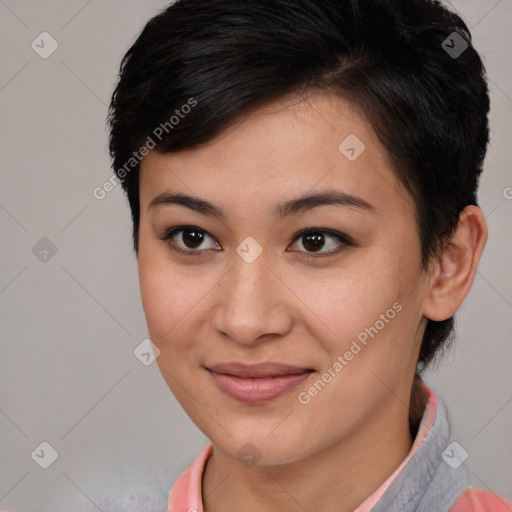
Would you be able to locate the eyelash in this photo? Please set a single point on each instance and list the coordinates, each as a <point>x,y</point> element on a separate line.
<point>345,241</point>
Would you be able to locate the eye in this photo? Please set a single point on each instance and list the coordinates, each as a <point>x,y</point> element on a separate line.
<point>314,240</point>
<point>191,239</point>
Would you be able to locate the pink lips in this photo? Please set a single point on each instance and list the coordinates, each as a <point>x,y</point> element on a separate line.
<point>256,384</point>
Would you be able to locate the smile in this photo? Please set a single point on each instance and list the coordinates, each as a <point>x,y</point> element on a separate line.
<point>259,383</point>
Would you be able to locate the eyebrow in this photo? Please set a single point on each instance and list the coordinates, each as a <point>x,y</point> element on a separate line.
<point>281,210</point>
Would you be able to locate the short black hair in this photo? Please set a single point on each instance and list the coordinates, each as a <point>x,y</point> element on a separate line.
<point>408,66</point>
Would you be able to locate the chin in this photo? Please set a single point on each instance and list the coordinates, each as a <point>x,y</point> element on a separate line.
<point>262,450</point>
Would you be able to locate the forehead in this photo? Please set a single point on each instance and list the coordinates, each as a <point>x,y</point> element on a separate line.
<point>286,148</point>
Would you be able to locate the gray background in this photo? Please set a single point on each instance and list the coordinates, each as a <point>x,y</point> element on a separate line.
<point>69,325</point>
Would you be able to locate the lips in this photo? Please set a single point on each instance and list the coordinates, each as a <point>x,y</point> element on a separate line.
<point>258,370</point>
<point>256,384</point>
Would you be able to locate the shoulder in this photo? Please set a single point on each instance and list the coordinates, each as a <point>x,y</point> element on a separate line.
<point>185,494</point>
<point>480,500</point>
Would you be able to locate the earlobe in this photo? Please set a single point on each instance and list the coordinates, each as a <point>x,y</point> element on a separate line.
<point>454,271</point>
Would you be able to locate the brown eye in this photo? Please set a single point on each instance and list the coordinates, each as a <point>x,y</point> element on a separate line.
<point>189,239</point>
<point>192,238</point>
<point>314,240</point>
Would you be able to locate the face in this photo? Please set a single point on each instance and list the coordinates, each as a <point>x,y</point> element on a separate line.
<point>307,333</point>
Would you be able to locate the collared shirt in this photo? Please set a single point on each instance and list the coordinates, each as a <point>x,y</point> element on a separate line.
<point>432,478</point>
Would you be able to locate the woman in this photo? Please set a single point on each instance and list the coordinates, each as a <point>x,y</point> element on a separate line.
<point>302,179</point>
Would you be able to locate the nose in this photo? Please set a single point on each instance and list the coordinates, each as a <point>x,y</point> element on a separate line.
<point>252,303</point>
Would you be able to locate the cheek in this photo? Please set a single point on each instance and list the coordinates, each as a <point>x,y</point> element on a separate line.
<point>166,305</point>
<point>162,293</point>
<point>156,301</point>
<point>370,319</point>
<point>175,300</point>
<point>345,306</point>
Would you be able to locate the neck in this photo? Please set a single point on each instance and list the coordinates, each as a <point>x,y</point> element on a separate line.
<point>337,479</point>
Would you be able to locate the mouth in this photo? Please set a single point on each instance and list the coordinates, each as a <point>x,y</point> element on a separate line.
<point>257,384</point>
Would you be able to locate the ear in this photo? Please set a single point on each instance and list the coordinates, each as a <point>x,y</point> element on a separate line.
<point>452,275</point>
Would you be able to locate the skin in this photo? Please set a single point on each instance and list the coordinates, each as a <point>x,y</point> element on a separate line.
<point>335,451</point>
